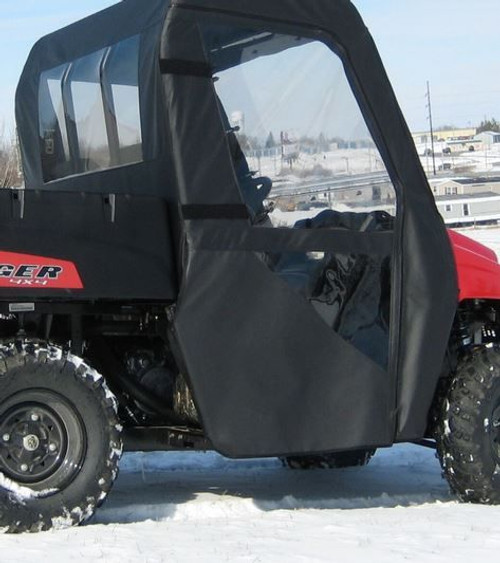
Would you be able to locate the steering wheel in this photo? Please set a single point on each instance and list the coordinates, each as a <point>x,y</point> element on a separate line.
<point>255,191</point>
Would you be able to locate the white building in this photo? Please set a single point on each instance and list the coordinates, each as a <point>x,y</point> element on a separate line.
<point>489,138</point>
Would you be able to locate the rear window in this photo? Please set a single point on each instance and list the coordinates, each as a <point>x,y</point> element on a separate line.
<point>89,112</point>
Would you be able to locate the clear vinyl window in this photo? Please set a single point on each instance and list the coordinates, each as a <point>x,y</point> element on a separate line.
<point>54,144</point>
<point>89,112</point>
<point>121,94</point>
<point>298,140</point>
<point>305,160</point>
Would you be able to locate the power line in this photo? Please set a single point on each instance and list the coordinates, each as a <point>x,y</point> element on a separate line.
<point>430,123</point>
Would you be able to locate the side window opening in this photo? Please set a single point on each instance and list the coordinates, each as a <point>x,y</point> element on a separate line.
<point>84,90</point>
<point>54,145</point>
<point>296,121</point>
<point>304,159</point>
<point>89,112</point>
<point>121,94</point>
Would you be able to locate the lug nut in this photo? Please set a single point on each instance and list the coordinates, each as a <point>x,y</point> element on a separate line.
<point>52,447</point>
<point>35,417</point>
<point>6,437</point>
<point>24,467</point>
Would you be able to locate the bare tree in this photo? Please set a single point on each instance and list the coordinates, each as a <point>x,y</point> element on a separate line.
<point>10,175</point>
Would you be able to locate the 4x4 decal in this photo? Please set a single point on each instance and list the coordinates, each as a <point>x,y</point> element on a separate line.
<point>25,270</point>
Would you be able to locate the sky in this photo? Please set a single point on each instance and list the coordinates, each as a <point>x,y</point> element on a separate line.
<point>450,43</point>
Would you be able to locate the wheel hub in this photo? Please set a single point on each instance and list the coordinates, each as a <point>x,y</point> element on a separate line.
<point>33,442</point>
<point>42,439</point>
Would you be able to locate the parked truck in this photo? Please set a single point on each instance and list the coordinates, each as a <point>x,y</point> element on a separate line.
<point>158,292</point>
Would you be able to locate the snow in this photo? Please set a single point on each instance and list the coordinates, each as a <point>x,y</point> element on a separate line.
<point>189,507</point>
<point>19,492</point>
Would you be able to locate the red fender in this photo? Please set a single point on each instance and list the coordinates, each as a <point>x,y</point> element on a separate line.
<point>477,268</point>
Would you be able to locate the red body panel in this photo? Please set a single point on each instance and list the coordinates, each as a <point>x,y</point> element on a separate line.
<point>478,269</point>
<point>25,271</point>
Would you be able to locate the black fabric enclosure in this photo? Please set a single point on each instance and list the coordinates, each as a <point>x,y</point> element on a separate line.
<point>152,176</point>
<point>326,336</point>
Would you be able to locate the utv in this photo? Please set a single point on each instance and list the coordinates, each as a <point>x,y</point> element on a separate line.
<point>226,241</point>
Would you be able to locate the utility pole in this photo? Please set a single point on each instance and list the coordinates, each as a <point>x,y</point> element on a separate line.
<point>432,130</point>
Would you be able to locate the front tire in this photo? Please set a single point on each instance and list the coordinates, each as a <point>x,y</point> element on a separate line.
<point>59,438</point>
<point>468,429</point>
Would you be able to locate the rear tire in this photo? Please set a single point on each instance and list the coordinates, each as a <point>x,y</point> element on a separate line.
<point>338,460</point>
<point>59,438</point>
<point>468,429</point>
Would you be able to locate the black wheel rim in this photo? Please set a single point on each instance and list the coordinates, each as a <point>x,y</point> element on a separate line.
<point>42,440</point>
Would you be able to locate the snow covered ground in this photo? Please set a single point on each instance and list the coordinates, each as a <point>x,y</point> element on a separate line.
<point>201,507</point>
<point>189,507</point>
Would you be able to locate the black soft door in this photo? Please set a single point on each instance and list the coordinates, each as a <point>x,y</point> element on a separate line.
<point>284,317</point>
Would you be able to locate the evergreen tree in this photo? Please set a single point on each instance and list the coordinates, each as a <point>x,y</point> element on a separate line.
<point>270,142</point>
<point>489,125</point>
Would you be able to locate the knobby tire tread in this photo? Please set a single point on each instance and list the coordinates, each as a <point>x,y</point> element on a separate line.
<point>462,440</point>
<point>34,515</point>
